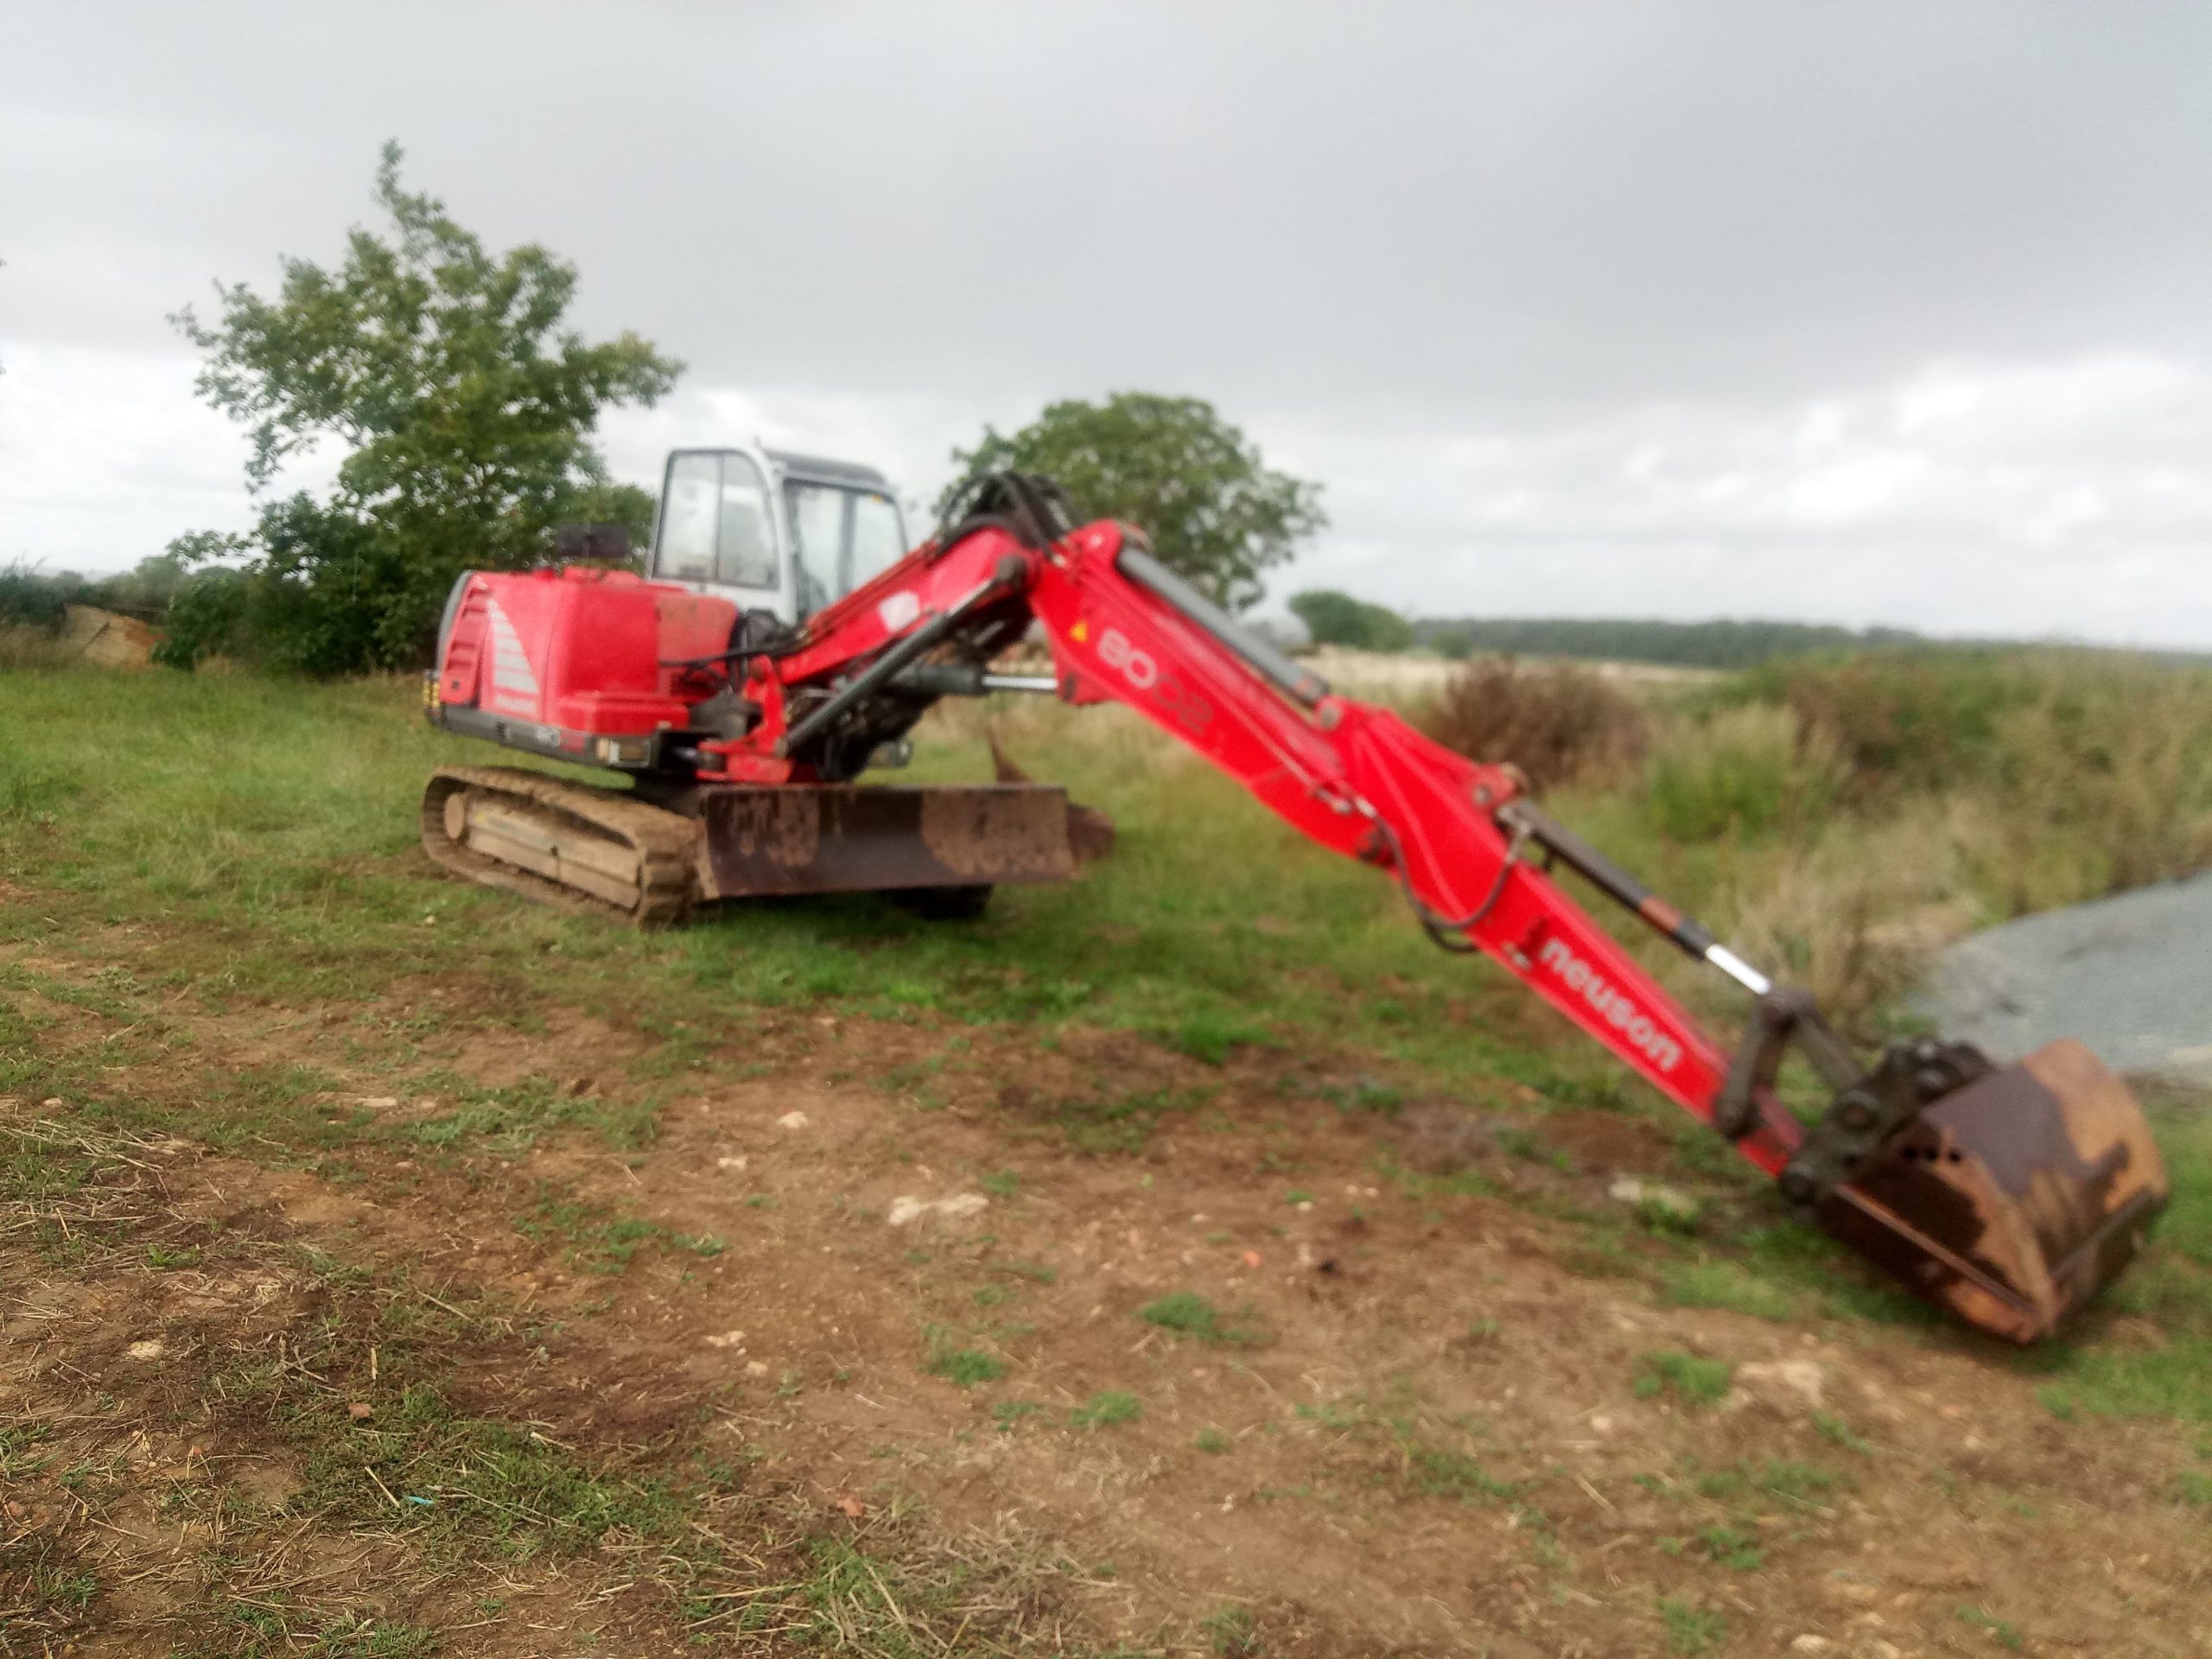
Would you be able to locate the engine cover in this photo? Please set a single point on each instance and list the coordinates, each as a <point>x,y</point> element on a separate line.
<point>572,662</point>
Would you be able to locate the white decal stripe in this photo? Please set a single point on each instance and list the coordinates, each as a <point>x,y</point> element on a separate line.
<point>511,670</point>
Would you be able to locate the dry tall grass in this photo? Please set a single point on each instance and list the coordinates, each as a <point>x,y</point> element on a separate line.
<point>1559,724</point>
<point>23,646</point>
<point>1838,822</point>
<point>1742,771</point>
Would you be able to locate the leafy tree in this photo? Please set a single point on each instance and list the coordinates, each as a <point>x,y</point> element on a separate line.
<point>1335,618</point>
<point>1213,509</point>
<point>467,409</point>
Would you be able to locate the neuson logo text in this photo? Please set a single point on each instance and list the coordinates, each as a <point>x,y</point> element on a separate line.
<point>1579,978</point>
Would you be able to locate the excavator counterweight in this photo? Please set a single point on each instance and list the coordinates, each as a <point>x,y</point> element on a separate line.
<point>2008,1195</point>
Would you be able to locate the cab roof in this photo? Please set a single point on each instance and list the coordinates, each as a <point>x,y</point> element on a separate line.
<point>813,469</point>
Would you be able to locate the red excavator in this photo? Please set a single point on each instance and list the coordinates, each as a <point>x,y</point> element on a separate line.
<point>783,646</point>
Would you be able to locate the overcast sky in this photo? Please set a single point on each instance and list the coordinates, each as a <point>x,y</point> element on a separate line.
<point>1852,312</point>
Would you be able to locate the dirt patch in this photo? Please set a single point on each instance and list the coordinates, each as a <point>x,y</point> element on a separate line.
<point>1159,1353</point>
<point>1609,1143</point>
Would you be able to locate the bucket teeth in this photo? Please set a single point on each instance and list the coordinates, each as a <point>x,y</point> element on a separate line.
<point>2012,1200</point>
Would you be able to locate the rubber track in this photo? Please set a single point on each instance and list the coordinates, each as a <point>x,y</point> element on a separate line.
<point>666,841</point>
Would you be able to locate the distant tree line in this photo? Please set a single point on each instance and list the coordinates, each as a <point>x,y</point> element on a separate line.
<point>1331,618</point>
<point>1335,618</point>
<point>1724,643</point>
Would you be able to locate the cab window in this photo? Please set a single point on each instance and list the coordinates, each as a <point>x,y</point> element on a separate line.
<point>715,526</point>
<point>879,537</point>
<point>845,537</point>
<point>818,520</point>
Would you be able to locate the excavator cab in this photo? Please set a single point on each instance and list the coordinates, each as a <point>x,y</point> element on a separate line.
<point>774,531</point>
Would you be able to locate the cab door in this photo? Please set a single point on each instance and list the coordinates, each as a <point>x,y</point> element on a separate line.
<point>717,531</point>
<point>841,537</point>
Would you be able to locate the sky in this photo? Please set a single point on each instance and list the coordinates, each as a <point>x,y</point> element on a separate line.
<point>1863,312</point>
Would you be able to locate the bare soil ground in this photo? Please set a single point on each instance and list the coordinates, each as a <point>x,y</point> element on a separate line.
<point>918,1337</point>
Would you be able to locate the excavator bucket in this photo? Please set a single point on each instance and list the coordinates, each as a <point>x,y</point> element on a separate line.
<point>2010,1201</point>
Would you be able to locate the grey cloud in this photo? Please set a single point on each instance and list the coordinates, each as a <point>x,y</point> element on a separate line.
<point>1557,298</point>
<point>1299,203</point>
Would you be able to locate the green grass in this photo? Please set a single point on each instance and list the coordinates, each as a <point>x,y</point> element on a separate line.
<point>2005,1636</point>
<point>274,1625</point>
<point>273,822</point>
<point>1188,1314</point>
<point>19,1460</point>
<point>1212,1034</point>
<point>1692,1631</point>
<point>510,1118</point>
<point>968,1366</point>
<point>1836,1428</point>
<point>1716,1281</point>
<point>1783,1478</point>
<point>263,837</point>
<point>1232,1632</point>
<point>1105,1410</point>
<point>1123,1122</point>
<point>2170,1291</point>
<point>1695,1381</point>
<point>1441,1472</point>
<point>1732,1548</point>
<point>601,1240</point>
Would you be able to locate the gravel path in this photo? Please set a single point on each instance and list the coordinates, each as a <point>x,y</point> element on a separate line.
<point>2131,976</point>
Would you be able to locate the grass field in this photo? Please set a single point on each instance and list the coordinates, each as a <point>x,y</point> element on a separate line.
<point>405,1269</point>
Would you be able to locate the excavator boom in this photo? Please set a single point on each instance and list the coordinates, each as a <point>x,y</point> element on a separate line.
<point>2008,1195</point>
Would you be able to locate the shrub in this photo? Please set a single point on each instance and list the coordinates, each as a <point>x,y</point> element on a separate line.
<point>1743,771</point>
<point>1853,914</point>
<point>1901,720</point>
<point>210,616</point>
<point>1559,724</point>
<point>29,600</point>
<point>2122,755</point>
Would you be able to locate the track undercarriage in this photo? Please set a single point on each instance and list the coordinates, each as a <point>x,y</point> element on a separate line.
<point>649,855</point>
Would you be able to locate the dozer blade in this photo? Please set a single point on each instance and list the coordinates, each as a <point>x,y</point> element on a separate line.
<point>2013,1200</point>
<point>1090,832</point>
<point>868,838</point>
